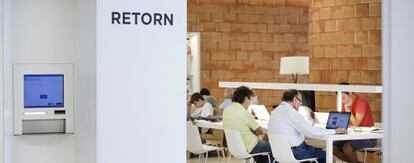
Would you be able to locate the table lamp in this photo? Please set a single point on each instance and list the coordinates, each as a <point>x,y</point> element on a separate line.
<point>294,65</point>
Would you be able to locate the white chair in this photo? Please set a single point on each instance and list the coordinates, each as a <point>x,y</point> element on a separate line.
<point>377,148</point>
<point>195,146</point>
<point>237,148</point>
<point>282,152</point>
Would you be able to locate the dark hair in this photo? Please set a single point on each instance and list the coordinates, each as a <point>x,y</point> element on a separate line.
<point>345,83</point>
<point>195,97</point>
<point>289,95</point>
<point>308,99</point>
<point>205,91</point>
<point>241,93</point>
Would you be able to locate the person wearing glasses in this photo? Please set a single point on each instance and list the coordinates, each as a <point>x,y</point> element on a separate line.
<point>286,120</point>
<point>236,117</point>
<point>204,109</point>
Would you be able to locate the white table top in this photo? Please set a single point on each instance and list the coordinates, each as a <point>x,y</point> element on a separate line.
<point>351,135</point>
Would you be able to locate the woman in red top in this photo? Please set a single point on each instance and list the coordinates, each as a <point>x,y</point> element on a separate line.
<point>361,115</point>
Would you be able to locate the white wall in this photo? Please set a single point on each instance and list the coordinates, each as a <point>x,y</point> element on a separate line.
<point>398,79</point>
<point>141,72</point>
<point>36,32</point>
<point>85,82</point>
<point>1,84</point>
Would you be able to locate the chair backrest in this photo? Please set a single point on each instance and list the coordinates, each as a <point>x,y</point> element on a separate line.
<point>322,117</point>
<point>379,143</point>
<point>235,144</point>
<point>378,124</point>
<point>260,111</point>
<point>194,144</point>
<point>281,150</point>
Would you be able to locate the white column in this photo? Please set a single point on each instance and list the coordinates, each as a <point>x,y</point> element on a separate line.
<point>339,101</point>
<point>398,79</point>
<point>1,85</point>
<point>141,82</point>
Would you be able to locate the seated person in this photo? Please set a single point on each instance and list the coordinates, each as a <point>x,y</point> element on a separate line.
<point>308,114</point>
<point>307,108</point>
<point>285,120</point>
<point>189,105</point>
<point>204,109</point>
<point>228,94</point>
<point>255,100</point>
<point>236,117</point>
<point>208,98</point>
<point>361,115</point>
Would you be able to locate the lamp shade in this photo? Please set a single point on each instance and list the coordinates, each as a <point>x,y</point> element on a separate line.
<point>294,65</point>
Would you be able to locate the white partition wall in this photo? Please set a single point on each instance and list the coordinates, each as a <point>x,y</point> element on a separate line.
<point>51,31</point>
<point>85,82</point>
<point>398,79</point>
<point>1,84</point>
<point>141,81</point>
<point>36,32</point>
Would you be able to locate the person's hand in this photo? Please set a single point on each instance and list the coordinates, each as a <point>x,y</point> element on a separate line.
<point>265,138</point>
<point>340,131</point>
<point>347,107</point>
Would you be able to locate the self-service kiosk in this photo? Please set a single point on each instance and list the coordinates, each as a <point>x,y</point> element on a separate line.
<point>43,98</point>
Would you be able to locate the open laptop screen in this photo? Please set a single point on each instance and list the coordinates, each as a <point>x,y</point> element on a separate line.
<point>260,111</point>
<point>338,120</point>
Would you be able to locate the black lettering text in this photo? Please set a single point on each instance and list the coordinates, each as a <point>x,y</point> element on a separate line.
<point>115,17</point>
<point>142,18</point>
<point>136,14</point>
<point>149,18</point>
<point>157,18</point>
<point>125,18</point>
<point>169,19</point>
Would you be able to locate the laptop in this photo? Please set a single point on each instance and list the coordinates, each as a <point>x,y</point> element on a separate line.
<point>215,118</point>
<point>260,111</point>
<point>338,120</point>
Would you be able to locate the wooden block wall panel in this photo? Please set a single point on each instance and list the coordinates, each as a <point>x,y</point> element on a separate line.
<point>243,40</point>
<point>348,34</point>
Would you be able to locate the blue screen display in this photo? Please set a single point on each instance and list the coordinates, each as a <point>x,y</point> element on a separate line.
<point>338,120</point>
<point>43,91</point>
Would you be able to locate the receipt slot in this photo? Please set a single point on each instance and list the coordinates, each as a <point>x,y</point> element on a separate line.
<point>43,98</point>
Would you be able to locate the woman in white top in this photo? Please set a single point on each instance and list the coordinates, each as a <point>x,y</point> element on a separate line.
<point>308,114</point>
<point>306,108</point>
